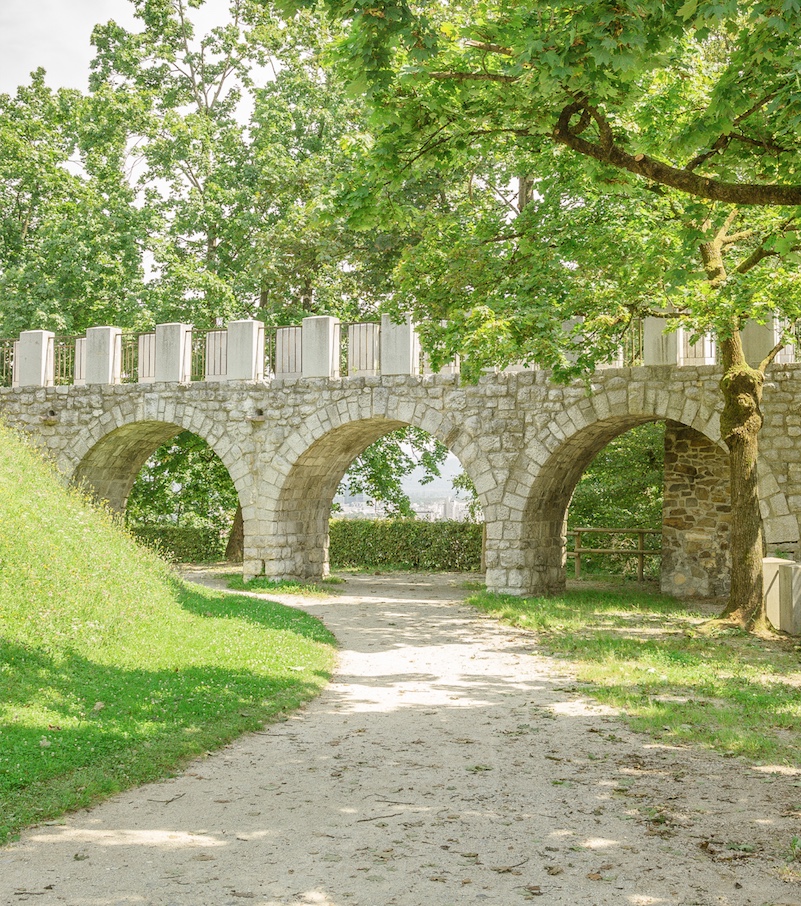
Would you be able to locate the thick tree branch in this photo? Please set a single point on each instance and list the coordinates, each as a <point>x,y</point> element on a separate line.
<point>658,172</point>
<point>473,76</point>
<point>763,365</point>
<point>753,260</point>
<point>737,237</point>
<point>490,47</point>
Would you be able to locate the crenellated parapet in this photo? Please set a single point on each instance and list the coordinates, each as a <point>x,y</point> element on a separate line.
<point>243,351</point>
<point>320,346</point>
<point>288,410</point>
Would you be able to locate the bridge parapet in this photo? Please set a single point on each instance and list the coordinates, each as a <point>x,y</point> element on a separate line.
<point>245,350</point>
<point>321,346</point>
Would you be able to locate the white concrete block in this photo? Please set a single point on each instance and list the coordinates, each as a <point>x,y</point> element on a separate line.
<point>790,598</point>
<point>658,347</point>
<point>173,353</point>
<point>246,350</point>
<point>103,355</point>
<point>320,344</point>
<point>399,347</point>
<point>33,359</point>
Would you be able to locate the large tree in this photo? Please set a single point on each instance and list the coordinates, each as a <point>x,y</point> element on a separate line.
<point>71,239</point>
<point>655,151</point>
<point>233,138</point>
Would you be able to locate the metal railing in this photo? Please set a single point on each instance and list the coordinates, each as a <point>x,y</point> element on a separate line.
<point>7,362</point>
<point>64,360</point>
<point>633,344</point>
<point>360,348</point>
<point>128,351</point>
<point>640,552</point>
<point>208,353</point>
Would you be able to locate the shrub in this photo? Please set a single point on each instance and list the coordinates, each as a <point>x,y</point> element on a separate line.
<point>405,544</point>
<point>183,543</point>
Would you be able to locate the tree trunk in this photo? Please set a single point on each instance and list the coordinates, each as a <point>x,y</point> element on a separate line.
<point>740,424</point>
<point>235,550</point>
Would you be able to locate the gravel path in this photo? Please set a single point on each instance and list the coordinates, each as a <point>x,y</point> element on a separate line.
<point>444,765</point>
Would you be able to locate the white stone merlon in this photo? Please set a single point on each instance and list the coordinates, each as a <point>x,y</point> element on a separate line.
<point>173,353</point>
<point>33,359</point>
<point>399,347</point>
<point>246,350</point>
<point>658,347</point>
<point>320,343</point>
<point>103,355</point>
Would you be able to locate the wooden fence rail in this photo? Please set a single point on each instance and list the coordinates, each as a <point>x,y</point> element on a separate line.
<point>640,552</point>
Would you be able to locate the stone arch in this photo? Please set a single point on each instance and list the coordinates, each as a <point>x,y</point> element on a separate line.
<point>544,515</point>
<point>529,556</point>
<point>116,453</point>
<point>307,470</point>
<point>110,467</point>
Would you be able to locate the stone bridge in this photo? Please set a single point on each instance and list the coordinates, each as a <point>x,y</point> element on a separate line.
<point>288,439</point>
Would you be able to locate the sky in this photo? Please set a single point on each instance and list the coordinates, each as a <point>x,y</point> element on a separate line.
<point>55,34</point>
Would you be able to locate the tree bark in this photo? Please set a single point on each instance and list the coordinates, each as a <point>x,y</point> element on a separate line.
<point>740,423</point>
<point>235,550</point>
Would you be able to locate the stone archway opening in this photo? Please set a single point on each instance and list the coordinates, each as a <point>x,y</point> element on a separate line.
<point>304,505</point>
<point>163,479</point>
<point>184,497</point>
<point>694,512</point>
<point>620,491</point>
<point>109,469</point>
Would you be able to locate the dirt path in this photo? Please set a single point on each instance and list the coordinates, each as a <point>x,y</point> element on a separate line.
<point>444,765</point>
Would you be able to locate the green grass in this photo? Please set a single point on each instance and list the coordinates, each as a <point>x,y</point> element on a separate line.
<point>671,675</point>
<point>112,671</point>
<point>285,586</point>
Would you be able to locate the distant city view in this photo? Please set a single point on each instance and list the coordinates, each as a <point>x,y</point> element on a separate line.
<point>432,502</point>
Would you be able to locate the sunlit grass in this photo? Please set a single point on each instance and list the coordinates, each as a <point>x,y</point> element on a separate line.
<point>285,586</point>
<point>684,683</point>
<point>112,671</point>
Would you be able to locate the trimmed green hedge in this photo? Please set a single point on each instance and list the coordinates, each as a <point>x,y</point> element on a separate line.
<point>401,543</point>
<point>183,543</point>
<point>406,544</point>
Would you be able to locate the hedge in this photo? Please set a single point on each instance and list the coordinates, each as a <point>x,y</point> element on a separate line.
<point>185,544</point>
<point>406,544</point>
<point>400,543</point>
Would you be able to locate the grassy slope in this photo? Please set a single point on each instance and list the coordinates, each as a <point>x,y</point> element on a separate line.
<point>672,675</point>
<point>113,672</point>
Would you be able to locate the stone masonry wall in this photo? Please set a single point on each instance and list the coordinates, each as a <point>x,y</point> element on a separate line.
<point>696,515</point>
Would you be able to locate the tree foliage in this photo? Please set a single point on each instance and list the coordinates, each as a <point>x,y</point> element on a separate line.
<point>655,151</point>
<point>622,486</point>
